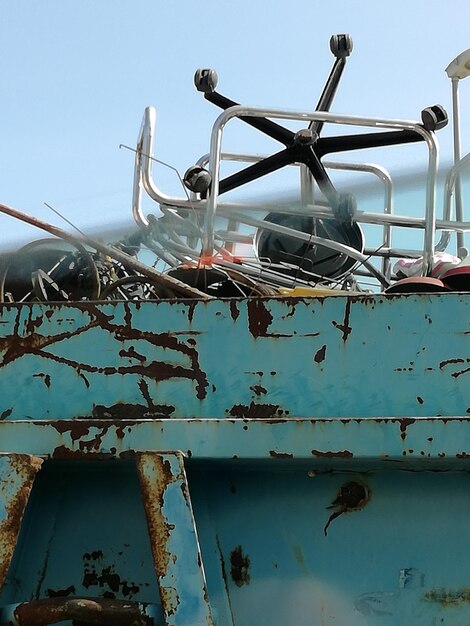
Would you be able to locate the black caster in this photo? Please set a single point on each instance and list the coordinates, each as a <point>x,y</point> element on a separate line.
<point>205,80</point>
<point>434,118</point>
<point>341,45</point>
<point>197,179</point>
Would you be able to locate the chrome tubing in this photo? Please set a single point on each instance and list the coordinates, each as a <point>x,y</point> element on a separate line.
<point>451,184</point>
<point>240,111</point>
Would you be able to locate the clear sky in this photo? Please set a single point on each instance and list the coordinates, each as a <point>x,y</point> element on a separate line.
<point>76,77</point>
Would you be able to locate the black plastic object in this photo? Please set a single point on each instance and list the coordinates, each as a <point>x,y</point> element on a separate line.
<point>197,179</point>
<point>434,117</point>
<point>457,278</point>
<point>218,283</point>
<point>305,260</point>
<point>205,80</point>
<point>310,148</point>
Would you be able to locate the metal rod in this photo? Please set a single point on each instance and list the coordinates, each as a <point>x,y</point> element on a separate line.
<point>111,251</point>
<point>458,181</point>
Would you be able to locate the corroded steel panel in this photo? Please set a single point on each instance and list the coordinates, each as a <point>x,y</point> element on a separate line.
<point>101,611</point>
<point>429,442</point>
<point>17,473</point>
<point>336,356</point>
<point>174,541</point>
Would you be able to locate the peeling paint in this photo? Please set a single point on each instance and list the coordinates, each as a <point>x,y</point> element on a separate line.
<point>352,496</point>
<point>320,354</point>
<point>254,410</point>
<point>239,567</point>
<point>17,473</point>
<point>342,454</point>
<point>344,327</point>
<point>259,318</point>
<point>280,455</point>
<point>107,612</point>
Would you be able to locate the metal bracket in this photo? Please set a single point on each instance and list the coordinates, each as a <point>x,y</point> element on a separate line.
<point>17,473</point>
<point>173,539</point>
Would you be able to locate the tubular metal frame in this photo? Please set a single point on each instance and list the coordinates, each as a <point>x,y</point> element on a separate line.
<point>235,211</point>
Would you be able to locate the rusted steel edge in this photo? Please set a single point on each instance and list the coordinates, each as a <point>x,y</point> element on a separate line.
<point>155,476</point>
<point>118,255</point>
<point>26,468</point>
<point>86,610</point>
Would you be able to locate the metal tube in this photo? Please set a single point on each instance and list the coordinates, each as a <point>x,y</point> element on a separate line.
<point>111,251</point>
<point>238,111</point>
<point>458,183</point>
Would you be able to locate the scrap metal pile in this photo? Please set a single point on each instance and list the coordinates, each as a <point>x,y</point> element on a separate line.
<point>199,245</point>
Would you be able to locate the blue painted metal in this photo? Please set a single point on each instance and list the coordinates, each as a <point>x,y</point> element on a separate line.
<point>17,472</point>
<point>245,462</point>
<point>174,540</point>
<point>322,357</point>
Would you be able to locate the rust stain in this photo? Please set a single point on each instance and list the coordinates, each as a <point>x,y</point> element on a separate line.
<point>446,362</point>
<point>254,410</point>
<point>108,612</point>
<point>352,496</point>
<point>45,377</point>
<point>132,353</point>
<point>60,593</point>
<point>404,423</point>
<point>75,428</point>
<point>455,361</point>
<point>259,318</point>
<point>191,309</point>
<point>62,452</point>
<point>224,576</point>
<point>153,489</point>
<point>98,574</point>
<point>26,468</point>
<point>343,454</point>
<point>234,311</point>
<point>259,390</point>
<point>126,411</point>
<point>320,355</point>
<point>344,327</point>
<point>154,410</point>
<point>6,413</point>
<point>448,597</point>
<point>78,429</point>
<point>15,346</point>
<point>280,455</point>
<point>239,566</point>
<point>170,599</point>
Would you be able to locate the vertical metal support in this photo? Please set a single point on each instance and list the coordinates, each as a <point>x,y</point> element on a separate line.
<point>17,473</point>
<point>173,539</point>
<point>306,185</point>
<point>459,217</point>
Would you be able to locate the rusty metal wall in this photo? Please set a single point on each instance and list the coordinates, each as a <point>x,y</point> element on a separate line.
<point>324,357</point>
<point>318,471</point>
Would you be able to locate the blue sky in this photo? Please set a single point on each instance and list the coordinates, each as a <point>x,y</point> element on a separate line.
<point>76,77</point>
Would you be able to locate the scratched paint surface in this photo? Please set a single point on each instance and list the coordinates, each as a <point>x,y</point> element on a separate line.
<point>17,472</point>
<point>390,561</point>
<point>278,547</point>
<point>175,545</point>
<point>76,540</point>
<point>337,356</point>
<point>299,521</point>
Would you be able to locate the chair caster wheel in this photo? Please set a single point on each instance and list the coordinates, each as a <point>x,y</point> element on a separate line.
<point>197,179</point>
<point>205,80</point>
<point>341,45</point>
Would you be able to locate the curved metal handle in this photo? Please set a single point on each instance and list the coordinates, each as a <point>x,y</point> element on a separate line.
<point>101,611</point>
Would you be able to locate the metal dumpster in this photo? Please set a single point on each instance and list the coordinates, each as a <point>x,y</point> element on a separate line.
<point>236,462</point>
